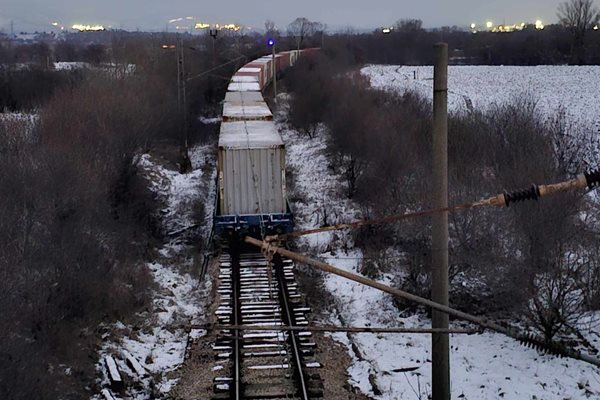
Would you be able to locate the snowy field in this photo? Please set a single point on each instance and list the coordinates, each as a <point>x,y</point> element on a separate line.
<point>574,88</point>
<point>398,366</point>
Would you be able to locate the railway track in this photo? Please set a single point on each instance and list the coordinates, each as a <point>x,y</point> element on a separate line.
<point>277,364</point>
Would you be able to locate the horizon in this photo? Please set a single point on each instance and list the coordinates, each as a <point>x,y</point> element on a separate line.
<point>38,15</point>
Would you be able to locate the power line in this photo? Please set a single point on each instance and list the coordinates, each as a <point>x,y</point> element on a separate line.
<point>215,68</point>
<point>591,180</point>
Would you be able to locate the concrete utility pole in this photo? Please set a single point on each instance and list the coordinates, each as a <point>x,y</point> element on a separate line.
<point>440,375</point>
<point>274,76</point>
<point>213,32</point>
<point>184,97</point>
<point>271,43</point>
<point>182,100</point>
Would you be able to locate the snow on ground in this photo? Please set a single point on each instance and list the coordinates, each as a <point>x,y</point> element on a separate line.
<point>576,88</point>
<point>70,65</point>
<point>179,297</point>
<point>484,366</point>
<point>17,127</point>
<point>23,120</point>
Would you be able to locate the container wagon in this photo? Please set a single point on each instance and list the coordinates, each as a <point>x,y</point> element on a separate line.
<point>251,180</point>
<point>251,196</point>
<point>245,106</point>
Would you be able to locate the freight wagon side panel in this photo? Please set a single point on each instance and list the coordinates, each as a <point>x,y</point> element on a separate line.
<point>252,181</point>
<point>253,69</point>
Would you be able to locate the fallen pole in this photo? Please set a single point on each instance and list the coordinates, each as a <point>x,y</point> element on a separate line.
<point>552,347</point>
<point>330,328</point>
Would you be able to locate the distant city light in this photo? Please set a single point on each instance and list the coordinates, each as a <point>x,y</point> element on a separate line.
<point>54,24</point>
<point>386,30</point>
<point>505,28</point>
<point>539,25</point>
<point>596,27</point>
<point>231,27</point>
<point>508,28</point>
<point>88,28</point>
<point>202,25</point>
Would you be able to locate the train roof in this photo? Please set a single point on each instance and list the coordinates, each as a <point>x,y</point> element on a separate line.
<point>243,78</point>
<point>249,135</point>
<point>243,87</point>
<point>261,60</point>
<point>245,105</point>
<point>243,97</point>
<point>249,69</point>
<point>246,111</point>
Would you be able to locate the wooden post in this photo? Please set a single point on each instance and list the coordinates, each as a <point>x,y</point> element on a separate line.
<point>440,372</point>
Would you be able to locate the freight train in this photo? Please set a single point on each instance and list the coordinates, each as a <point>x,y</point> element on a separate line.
<point>251,198</point>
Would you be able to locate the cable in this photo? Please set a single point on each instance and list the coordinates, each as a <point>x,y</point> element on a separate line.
<point>591,180</point>
<point>214,69</point>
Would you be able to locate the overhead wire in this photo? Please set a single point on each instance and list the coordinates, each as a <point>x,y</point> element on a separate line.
<point>591,180</point>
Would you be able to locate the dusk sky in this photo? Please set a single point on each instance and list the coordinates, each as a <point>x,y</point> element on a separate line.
<point>154,14</point>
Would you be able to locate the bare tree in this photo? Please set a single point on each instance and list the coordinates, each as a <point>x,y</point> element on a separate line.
<point>409,25</point>
<point>578,16</point>
<point>269,26</point>
<point>300,28</point>
<point>271,31</point>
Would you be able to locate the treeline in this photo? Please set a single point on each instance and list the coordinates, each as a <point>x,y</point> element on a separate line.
<point>26,89</point>
<point>78,222</point>
<point>552,45</point>
<point>538,259</point>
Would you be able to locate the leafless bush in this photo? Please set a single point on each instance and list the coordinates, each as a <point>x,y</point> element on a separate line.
<point>307,82</point>
<point>416,276</point>
<point>73,232</point>
<point>557,302</point>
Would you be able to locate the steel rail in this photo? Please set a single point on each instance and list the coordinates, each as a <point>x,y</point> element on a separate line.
<point>237,359</point>
<point>288,318</point>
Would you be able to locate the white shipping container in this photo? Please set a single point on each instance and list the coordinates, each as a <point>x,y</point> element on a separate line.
<point>248,106</point>
<point>267,71</point>
<point>251,168</point>
<point>249,70</point>
<point>243,97</point>
<point>244,78</point>
<point>243,87</point>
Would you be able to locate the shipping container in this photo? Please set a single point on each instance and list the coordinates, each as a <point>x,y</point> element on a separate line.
<point>285,60</point>
<point>245,106</point>
<point>293,57</point>
<point>237,78</point>
<point>251,169</point>
<point>243,87</point>
<point>251,71</point>
<point>267,62</point>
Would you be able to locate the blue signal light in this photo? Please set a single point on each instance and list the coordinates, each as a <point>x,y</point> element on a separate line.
<point>271,42</point>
